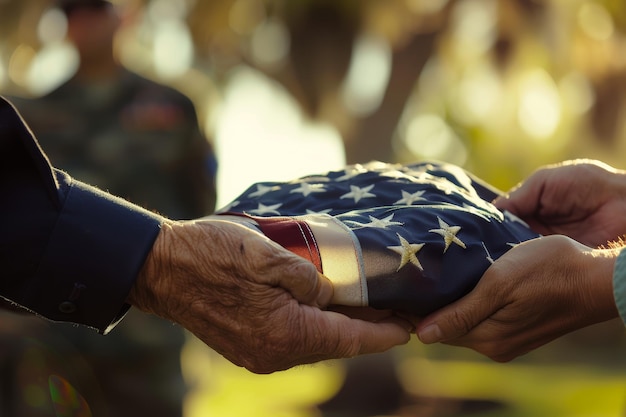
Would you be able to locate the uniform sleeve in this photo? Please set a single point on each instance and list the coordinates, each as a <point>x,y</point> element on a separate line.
<point>619,284</point>
<point>68,252</point>
<point>199,172</point>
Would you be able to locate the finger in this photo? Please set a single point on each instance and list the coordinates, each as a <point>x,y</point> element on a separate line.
<point>329,335</point>
<point>363,313</point>
<point>358,337</point>
<point>458,318</point>
<point>306,284</point>
<point>292,273</point>
<point>521,200</point>
<point>500,343</point>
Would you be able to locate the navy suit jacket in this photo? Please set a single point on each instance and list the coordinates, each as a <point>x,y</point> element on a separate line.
<point>68,251</point>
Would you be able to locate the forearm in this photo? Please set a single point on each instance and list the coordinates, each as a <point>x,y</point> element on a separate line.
<point>69,252</point>
<point>93,255</point>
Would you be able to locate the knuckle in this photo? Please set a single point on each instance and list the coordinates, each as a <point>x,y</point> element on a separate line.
<point>497,351</point>
<point>347,346</point>
<point>266,359</point>
<point>502,357</point>
<point>461,322</point>
<point>279,347</point>
<point>258,367</point>
<point>320,340</point>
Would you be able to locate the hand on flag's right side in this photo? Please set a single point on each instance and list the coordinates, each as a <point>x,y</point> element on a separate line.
<point>538,291</point>
<point>582,199</point>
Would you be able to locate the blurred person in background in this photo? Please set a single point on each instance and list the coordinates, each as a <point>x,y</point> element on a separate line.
<point>139,140</point>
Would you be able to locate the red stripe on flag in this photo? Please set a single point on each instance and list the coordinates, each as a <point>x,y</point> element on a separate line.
<point>294,235</point>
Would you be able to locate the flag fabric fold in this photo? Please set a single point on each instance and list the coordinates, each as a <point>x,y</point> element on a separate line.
<point>411,238</point>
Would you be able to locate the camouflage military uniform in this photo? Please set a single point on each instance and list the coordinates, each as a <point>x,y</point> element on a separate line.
<point>132,137</point>
<point>138,140</point>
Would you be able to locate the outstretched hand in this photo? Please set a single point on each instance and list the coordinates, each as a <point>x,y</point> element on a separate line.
<point>257,304</point>
<point>582,199</point>
<point>536,292</point>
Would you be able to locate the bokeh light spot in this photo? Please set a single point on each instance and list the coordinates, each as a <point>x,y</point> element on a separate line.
<point>430,137</point>
<point>474,26</point>
<point>51,65</point>
<point>577,92</point>
<point>173,49</point>
<point>595,21</point>
<point>34,396</point>
<point>426,6</point>
<point>270,43</point>
<point>539,111</point>
<point>52,26</point>
<point>261,135</point>
<point>478,94</point>
<point>245,16</point>
<point>368,75</point>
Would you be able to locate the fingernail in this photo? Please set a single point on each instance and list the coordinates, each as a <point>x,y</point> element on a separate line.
<point>410,327</point>
<point>430,334</point>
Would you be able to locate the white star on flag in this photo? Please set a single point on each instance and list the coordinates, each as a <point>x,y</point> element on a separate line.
<point>263,209</point>
<point>375,223</point>
<point>305,189</point>
<point>231,205</point>
<point>262,190</point>
<point>409,199</point>
<point>449,234</point>
<point>325,211</point>
<point>358,193</point>
<point>351,172</point>
<point>478,212</point>
<point>512,217</point>
<point>408,252</point>
<point>395,174</point>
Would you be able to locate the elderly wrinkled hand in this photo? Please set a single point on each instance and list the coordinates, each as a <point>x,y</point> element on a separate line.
<point>257,304</point>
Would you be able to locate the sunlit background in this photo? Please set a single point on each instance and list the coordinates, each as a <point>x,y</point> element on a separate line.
<point>292,87</point>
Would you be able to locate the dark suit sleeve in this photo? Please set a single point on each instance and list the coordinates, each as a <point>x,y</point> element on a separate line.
<point>68,252</point>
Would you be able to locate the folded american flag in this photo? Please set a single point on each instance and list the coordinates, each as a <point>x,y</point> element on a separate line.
<point>410,238</point>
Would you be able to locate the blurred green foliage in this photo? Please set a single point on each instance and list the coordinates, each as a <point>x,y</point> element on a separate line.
<point>498,86</point>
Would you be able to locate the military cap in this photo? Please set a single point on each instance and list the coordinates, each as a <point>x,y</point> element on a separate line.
<point>68,6</point>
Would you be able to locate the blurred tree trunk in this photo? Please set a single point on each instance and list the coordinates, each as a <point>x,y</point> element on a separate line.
<point>372,138</point>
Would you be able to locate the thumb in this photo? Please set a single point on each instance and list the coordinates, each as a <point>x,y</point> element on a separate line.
<point>515,201</point>
<point>523,199</point>
<point>294,274</point>
<point>302,280</point>
<point>456,319</point>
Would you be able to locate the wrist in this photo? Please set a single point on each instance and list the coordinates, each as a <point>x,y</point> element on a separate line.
<point>599,290</point>
<point>619,284</point>
<point>148,287</point>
